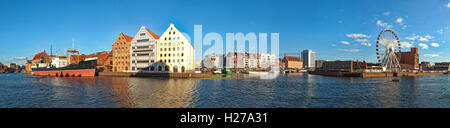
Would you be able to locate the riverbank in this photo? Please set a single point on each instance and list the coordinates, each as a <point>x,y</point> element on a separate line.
<point>153,74</point>
<point>375,74</point>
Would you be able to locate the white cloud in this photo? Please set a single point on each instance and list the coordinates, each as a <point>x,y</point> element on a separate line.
<point>345,42</point>
<point>405,44</point>
<point>412,38</point>
<point>386,13</point>
<point>334,45</point>
<point>366,44</point>
<point>383,24</point>
<point>20,58</point>
<point>431,55</point>
<point>448,5</point>
<point>423,46</point>
<point>348,50</point>
<point>361,40</point>
<point>425,38</point>
<point>435,44</point>
<point>399,20</point>
<point>357,35</point>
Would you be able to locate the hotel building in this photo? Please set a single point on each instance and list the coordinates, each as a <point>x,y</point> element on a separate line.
<point>143,50</point>
<point>121,53</point>
<point>175,52</point>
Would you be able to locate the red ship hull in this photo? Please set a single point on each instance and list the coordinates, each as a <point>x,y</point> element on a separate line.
<point>67,73</point>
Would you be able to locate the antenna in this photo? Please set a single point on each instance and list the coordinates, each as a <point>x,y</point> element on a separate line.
<point>73,44</point>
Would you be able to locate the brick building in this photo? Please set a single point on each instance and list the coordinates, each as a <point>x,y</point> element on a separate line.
<point>121,53</point>
<point>343,66</point>
<point>409,60</point>
<point>443,66</point>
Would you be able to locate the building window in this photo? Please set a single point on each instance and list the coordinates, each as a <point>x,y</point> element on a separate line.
<point>142,34</point>
<point>165,38</point>
<point>173,32</point>
<point>169,33</point>
<point>170,38</point>
<point>182,54</point>
<point>160,55</point>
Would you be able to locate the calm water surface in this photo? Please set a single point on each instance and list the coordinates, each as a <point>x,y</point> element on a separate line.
<point>286,91</point>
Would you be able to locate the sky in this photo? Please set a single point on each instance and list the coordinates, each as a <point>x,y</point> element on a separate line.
<point>334,29</point>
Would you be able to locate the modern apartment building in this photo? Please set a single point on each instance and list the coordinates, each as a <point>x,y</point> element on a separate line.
<point>175,52</point>
<point>143,50</point>
<point>121,53</point>
<point>308,58</point>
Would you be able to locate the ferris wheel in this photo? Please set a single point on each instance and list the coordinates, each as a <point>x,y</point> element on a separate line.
<point>388,45</point>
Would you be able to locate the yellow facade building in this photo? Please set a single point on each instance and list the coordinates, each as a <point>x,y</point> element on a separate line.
<point>121,53</point>
<point>175,53</point>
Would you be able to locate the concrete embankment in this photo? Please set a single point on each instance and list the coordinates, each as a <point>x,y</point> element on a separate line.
<point>375,74</point>
<point>148,74</point>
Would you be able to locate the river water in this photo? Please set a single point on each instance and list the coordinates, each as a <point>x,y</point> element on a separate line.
<point>285,91</point>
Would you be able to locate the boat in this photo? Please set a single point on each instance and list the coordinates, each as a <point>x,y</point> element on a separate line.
<point>217,72</point>
<point>228,72</point>
<point>86,68</point>
<point>60,68</point>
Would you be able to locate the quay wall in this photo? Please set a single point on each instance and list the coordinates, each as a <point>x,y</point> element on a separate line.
<point>337,74</point>
<point>374,74</point>
<point>151,74</point>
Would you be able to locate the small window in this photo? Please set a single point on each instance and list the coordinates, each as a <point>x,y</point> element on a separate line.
<point>165,38</point>
<point>142,34</point>
<point>174,32</point>
<point>169,33</point>
<point>170,38</point>
<point>182,54</point>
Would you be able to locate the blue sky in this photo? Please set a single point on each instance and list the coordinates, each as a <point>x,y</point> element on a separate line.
<point>334,29</point>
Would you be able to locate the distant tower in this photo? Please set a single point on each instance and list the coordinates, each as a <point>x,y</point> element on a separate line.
<point>308,57</point>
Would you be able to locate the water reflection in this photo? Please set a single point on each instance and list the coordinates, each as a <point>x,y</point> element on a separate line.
<point>286,90</point>
<point>155,93</point>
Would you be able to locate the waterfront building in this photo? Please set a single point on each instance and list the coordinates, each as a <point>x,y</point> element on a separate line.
<point>343,66</point>
<point>319,63</point>
<point>213,61</point>
<point>442,66</point>
<point>40,60</point>
<point>291,62</point>
<point>121,53</point>
<point>143,50</point>
<point>425,65</point>
<point>28,65</point>
<point>12,66</point>
<point>409,60</point>
<point>251,61</point>
<point>235,60</point>
<point>175,52</point>
<point>267,61</point>
<point>308,58</point>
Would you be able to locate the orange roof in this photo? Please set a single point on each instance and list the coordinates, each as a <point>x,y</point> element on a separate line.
<point>39,55</point>
<point>128,38</point>
<point>291,58</point>
<point>153,34</point>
